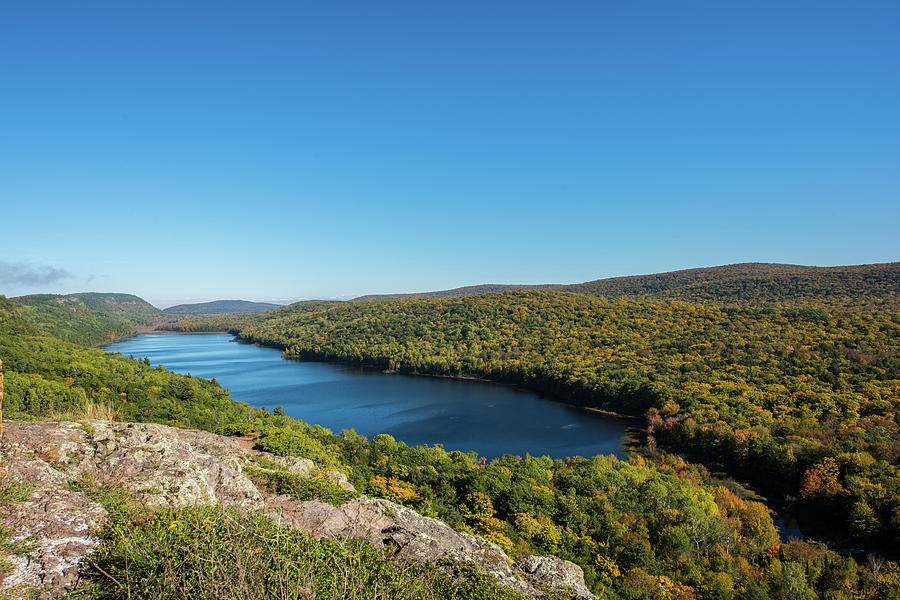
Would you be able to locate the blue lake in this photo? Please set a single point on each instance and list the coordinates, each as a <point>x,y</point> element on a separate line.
<point>460,414</point>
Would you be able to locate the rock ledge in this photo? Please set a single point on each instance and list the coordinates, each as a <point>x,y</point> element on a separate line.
<point>168,467</point>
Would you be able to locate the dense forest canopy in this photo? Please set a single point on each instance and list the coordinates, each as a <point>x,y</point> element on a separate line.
<point>45,377</point>
<point>87,318</point>
<point>469,290</point>
<point>660,529</point>
<point>757,284</point>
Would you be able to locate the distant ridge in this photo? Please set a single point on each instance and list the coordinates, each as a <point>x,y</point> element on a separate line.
<point>470,290</point>
<point>221,307</point>
<point>86,318</point>
<point>738,284</point>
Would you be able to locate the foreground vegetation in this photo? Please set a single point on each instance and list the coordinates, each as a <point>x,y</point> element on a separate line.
<point>213,553</point>
<point>638,529</point>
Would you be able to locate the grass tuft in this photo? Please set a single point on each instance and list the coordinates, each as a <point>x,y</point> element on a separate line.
<point>14,492</point>
<point>267,464</point>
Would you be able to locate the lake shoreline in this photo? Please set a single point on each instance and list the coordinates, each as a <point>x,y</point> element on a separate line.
<point>471,414</point>
<point>633,441</point>
<point>376,368</point>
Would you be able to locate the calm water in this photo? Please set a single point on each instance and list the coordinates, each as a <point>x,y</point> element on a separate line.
<point>462,415</point>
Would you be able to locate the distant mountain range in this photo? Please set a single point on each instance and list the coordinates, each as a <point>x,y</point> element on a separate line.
<point>221,307</point>
<point>738,284</point>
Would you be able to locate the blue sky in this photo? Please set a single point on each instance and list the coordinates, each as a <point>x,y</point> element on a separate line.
<point>267,150</point>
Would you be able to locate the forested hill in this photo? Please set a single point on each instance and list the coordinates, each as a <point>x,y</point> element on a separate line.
<point>745,284</point>
<point>221,307</point>
<point>49,378</point>
<point>86,318</point>
<point>753,284</point>
<point>803,401</point>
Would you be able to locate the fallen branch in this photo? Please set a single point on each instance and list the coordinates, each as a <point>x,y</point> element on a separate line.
<point>99,568</point>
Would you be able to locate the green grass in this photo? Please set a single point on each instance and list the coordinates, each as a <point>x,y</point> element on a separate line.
<point>267,464</point>
<point>14,492</point>
<point>208,553</point>
<point>117,500</point>
<point>87,427</point>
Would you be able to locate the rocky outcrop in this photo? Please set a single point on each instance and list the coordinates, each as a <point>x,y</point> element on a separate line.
<point>167,467</point>
<point>410,535</point>
<point>162,466</point>
<point>557,573</point>
<point>62,523</point>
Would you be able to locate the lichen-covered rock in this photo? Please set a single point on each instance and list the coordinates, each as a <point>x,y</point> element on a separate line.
<point>411,535</point>
<point>162,465</point>
<point>295,464</point>
<point>339,479</point>
<point>168,467</point>
<point>427,540</point>
<point>557,573</point>
<point>58,525</point>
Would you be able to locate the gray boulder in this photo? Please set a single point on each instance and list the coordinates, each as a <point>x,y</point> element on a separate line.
<point>557,573</point>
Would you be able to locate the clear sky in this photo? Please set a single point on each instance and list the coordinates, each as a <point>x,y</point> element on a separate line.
<point>281,150</point>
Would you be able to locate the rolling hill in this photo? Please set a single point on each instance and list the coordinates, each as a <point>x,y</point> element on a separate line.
<point>469,290</point>
<point>86,318</point>
<point>744,284</point>
<point>653,523</point>
<point>221,307</point>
